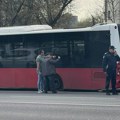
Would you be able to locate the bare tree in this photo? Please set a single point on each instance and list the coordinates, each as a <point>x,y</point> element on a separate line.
<point>106,8</point>
<point>17,12</point>
<point>66,21</point>
<point>9,11</point>
<point>23,12</point>
<point>50,11</point>
<point>98,15</point>
<point>1,13</point>
<point>113,11</point>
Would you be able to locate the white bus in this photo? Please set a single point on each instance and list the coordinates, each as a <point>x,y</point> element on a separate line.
<point>81,52</point>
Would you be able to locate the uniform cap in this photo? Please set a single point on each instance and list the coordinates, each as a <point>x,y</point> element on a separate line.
<point>112,47</point>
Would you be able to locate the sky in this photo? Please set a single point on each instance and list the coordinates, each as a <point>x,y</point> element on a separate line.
<point>85,8</point>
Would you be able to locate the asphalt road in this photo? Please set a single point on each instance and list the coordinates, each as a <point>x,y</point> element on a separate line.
<point>29,105</point>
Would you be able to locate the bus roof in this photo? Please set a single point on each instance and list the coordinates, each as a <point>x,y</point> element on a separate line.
<point>35,29</point>
<point>19,29</point>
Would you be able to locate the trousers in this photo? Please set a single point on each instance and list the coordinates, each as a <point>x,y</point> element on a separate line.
<point>40,82</point>
<point>50,83</point>
<point>111,77</point>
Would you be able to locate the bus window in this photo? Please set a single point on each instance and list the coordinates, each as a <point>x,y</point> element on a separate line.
<point>77,49</point>
<point>119,29</point>
<point>61,49</point>
<point>98,44</point>
<point>70,46</point>
<point>78,53</point>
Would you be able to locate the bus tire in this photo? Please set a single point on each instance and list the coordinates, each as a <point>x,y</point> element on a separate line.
<point>58,82</point>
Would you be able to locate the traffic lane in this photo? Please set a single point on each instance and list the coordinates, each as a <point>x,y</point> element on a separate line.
<point>57,112</point>
<point>62,98</point>
<point>64,105</point>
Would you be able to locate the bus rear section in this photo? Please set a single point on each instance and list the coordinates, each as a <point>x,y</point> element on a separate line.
<point>82,68</point>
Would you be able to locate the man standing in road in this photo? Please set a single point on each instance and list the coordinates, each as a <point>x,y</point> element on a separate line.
<point>40,82</point>
<point>49,71</point>
<point>109,67</point>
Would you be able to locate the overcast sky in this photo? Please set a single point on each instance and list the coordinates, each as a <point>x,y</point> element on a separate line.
<point>84,8</point>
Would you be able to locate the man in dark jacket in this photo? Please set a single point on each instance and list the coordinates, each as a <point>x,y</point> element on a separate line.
<point>109,67</point>
<point>48,71</point>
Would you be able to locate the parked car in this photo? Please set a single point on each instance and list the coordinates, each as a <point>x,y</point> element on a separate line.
<point>21,57</point>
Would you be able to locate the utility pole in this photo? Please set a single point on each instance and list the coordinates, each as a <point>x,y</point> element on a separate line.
<point>106,9</point>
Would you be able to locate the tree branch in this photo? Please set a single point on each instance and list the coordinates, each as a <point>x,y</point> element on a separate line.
<point>17,12</point>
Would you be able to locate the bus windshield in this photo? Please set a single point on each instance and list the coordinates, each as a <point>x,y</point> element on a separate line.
<point>119,29</point>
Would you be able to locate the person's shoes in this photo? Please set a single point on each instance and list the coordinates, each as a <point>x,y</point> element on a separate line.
<point>107,93</point>
<point>54,92</point>
<point>45,92</point>
<point>39,91</point>
<point>115,93</point>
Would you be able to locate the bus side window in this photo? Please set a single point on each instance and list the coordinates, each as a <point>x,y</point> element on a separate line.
<point>78,54</point>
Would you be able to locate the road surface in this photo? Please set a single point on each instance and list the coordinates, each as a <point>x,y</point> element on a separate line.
<point>29,105</point>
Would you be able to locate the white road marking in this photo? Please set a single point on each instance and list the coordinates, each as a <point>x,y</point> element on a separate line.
<point>60,103</point>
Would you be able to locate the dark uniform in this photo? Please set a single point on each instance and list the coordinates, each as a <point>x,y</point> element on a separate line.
<point>109,66</point>
<point>48,71</point>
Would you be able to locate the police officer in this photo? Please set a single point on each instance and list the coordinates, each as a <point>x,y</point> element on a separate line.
<point>109,67</point>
